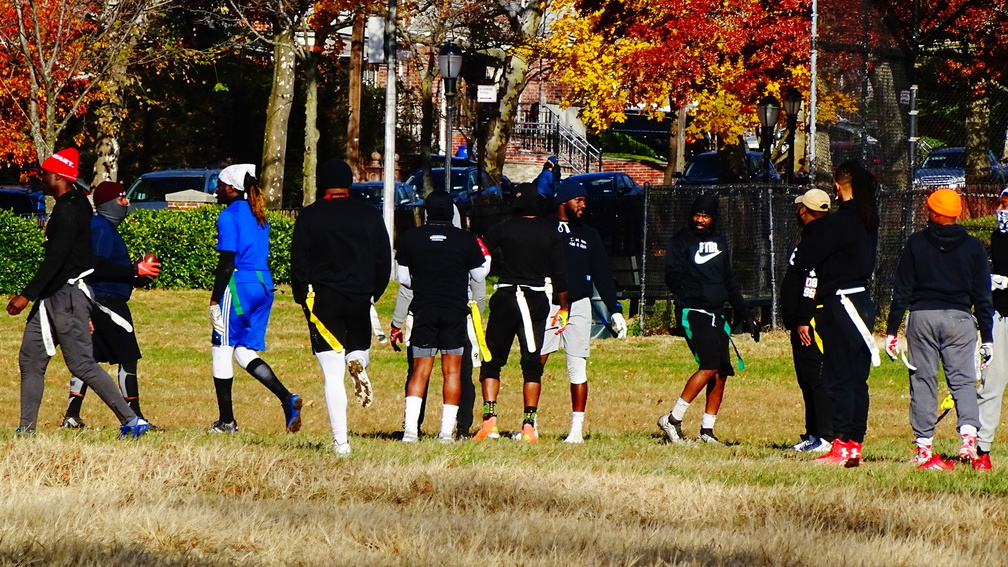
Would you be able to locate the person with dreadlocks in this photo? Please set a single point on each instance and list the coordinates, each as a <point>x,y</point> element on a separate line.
<point>242,296</point>
<point>699,274</point>
<point>111,286</point>
<point>842,249</point>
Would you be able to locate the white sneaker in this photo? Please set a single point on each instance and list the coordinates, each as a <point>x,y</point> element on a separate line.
<point>410,436</point>
<point>820,446</point>
<point>341,449</point>
<point>445,438</point>
<point>574,437</point>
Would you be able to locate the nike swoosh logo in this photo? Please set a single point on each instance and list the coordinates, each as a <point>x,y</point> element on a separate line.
<point>704,258</point>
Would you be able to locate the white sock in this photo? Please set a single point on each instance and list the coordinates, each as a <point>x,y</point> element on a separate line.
<point>449,414</point>
<point>967,430</point>
<point>707,421</point>
<point>333,368</point>
<point>924,442</point>
<point>412,415</point>
<point>577,420</point>
<point>679,410</point>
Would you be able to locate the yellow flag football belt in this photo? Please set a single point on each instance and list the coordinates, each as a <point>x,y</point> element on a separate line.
<point>328,336</point>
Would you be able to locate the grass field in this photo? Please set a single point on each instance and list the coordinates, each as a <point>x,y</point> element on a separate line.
<point>182,496</point>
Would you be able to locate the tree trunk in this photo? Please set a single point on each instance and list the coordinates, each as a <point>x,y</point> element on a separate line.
<point>977,136</point>
<point>515,78</point>
<point>354,102</point>
<point>676,147</point>
<point>427,123</point>
<point>892,133</point>
<point>277,116</point>
<point>311,133</point>
<point>109,121</point>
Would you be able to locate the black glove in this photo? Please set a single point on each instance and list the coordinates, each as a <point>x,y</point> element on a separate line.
<point>752,327</point>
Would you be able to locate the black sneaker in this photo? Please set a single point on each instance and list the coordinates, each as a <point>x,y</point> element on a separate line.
<point>72,422</point>
<point>672,428</point>
<point>707,436</point>
<point>220,427</point>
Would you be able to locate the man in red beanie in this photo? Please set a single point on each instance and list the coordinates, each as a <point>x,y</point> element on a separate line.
<point>111,285</point>
<point>942,275</point>
<point>61,310</point>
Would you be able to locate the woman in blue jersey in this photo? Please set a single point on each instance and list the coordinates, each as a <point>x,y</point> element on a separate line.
<point>242,295</point>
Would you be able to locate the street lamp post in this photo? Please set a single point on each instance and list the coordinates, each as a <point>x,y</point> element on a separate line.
<point>449,63</point>
<point>792,106</point>
<point>768,111</point>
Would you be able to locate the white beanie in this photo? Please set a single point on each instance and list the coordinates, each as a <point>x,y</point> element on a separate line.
<point>234,175</point>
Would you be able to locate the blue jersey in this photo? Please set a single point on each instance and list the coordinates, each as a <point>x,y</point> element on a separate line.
<point>239,232</point>
<point>107,243</point>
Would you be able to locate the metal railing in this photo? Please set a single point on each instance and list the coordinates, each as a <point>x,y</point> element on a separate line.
<point>541,131</point>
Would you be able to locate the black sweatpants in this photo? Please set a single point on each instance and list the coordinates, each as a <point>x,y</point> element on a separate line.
<point>846,364</point>
<point>808,365</point>
<point>504,322</point>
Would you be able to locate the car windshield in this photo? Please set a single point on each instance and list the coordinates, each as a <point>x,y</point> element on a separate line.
<point>147,189</point>
<point>599,187</point>
<point>372,194</point>
<point>458,178</point>
<point>702,166</point>
<point>945,160</point>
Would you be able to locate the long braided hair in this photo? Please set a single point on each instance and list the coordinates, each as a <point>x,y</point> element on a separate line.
<point>862,184</point>
<point>256,200</point>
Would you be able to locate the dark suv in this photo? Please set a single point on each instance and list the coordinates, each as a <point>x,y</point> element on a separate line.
<point>23,202</point>
<point>155,189</point>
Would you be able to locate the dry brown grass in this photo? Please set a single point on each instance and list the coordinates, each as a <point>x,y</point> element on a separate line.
<point>186,497</point>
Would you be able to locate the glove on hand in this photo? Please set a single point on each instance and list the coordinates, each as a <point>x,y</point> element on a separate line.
<point>483,248</point>
<point>149,266</point>
<point>619,325</point>
<point>755,332</point>
<point>986,354</point>
<point>395,338</point>
<point>217,319</point>
<point>892,346</point>
<point>998,282</point>
<point>560,320</point>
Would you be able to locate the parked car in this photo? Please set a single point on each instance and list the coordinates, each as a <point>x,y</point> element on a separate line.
<point>703,170</point>
<point>465,191</point>
<point>155,189</point>
<point>945,168</point>
<point>24,202</point>
<point>605,184</point>
<point>372,192</point>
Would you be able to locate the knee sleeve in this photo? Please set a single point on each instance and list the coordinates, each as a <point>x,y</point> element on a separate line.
<point>577,369</point>
<point>245,356</point>
<point>221,356</point>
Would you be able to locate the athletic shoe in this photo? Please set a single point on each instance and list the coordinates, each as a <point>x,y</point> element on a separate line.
<point>672,428</point>
<point>821,446</point>
<point>838,455</point>
<point>362,385</point>
<point>382,339</point>
<point>923,455</point>
<point>574,437</point>
<point>341,449</point>
<point>71,422</point>
<point>707,436</point>
<point>445,438</point>
<point>134,428</point>
<point>803,445</point>
<point>936,464</point>
<point>222,427</point>
<point>968,450</point>
<point>488,430</point>
<point>410,436</point>
<point>24,432</point>
<point>529,433</point>
<point>982,463</point>
<point>292,413</point>
<point>854,454</point>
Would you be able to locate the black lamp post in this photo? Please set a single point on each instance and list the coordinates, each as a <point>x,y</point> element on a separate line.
<point>792,106</point>
<point>449,63</point>
<point>768,111</point>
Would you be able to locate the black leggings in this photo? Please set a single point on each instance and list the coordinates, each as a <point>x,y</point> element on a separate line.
<point>846,364</point>
<point>504,322</point>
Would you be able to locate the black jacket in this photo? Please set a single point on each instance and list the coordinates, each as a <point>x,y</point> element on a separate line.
<point>67,246</point>
<point>942,267</point>
<point>340,244</point>
<point>587,264</point>
<point>526,251</point>
<point>698,272</point>
<point>797,289</point>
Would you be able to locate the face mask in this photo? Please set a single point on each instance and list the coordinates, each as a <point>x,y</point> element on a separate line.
<point>113,211</point>
<point>1002,221</point>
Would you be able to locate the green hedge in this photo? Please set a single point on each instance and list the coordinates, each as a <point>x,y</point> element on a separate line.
<point>183,240</point>
<point>20,251</point>
<point>185,243</point>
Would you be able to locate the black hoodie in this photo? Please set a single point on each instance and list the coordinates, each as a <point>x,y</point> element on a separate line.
<point>943,267</point>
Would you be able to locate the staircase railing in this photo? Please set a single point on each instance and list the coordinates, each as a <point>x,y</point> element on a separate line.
<point>541,131</point>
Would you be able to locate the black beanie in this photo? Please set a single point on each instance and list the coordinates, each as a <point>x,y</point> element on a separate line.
<point>334,174</point>
<point>439,206</point>
<point>705,203</point>
<point>527,203</point>
<point>569,189</point>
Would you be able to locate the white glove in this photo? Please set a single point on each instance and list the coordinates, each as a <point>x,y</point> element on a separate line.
<point>619,325</point>
<point>892,346</point>
<point>998,282</point>
<point>986,354</point>
<point>217,319</point>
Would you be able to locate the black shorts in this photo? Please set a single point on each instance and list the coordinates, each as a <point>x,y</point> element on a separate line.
<point>112,343</point>
<point>348,321</point>
<point>708,340</point>
<point>441,331</point>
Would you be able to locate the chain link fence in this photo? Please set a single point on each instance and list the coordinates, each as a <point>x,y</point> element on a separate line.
<point>761,226</point>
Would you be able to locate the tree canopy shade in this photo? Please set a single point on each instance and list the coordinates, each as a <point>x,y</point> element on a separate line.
<point>721,55</point>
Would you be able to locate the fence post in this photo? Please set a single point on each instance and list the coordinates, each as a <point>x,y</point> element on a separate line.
<point>643,265</point>
<point>773,258</point>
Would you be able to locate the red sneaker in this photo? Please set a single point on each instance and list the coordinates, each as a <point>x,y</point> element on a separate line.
<point>936,464</point>
<point>982,463</point>
<point>853,454</point>
<point>838,455</point>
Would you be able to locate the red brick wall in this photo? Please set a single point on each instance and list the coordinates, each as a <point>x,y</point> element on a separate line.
<point>641,172</point>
